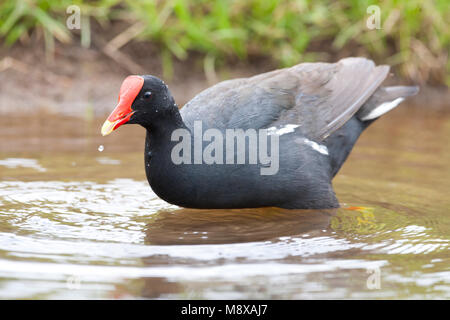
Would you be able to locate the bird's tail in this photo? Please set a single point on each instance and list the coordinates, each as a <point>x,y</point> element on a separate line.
<point>384,100</point>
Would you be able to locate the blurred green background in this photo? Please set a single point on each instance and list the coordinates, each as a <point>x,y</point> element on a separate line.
<point>414,35</point>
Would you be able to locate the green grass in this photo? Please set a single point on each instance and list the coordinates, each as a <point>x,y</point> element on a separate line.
<point>414,34</point>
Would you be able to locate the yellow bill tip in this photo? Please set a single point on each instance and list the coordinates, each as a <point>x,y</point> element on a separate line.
<point>107,127</point>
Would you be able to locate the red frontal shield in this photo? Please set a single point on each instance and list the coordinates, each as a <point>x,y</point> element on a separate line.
<point>129,90</point>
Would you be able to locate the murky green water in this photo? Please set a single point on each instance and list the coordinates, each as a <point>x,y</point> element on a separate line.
<point>79,223</point>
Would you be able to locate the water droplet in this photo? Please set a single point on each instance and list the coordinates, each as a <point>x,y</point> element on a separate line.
<point>101,148</point>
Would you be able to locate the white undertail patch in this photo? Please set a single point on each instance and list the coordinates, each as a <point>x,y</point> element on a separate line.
<point>382,109</point>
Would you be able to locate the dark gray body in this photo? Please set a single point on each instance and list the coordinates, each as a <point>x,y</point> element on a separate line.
<point>328,112</point>
<point>304,175</point>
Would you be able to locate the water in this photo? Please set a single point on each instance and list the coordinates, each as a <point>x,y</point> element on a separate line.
<point>78,220</point>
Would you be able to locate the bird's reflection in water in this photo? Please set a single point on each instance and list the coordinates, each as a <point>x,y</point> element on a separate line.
<point>193,226</point>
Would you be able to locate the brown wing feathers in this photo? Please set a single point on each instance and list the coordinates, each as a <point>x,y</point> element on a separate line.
<point>320,97</point>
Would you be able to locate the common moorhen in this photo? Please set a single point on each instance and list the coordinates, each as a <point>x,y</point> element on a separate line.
<point>275,139</point>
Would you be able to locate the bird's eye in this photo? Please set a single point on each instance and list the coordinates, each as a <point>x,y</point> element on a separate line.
<point>147,95</point>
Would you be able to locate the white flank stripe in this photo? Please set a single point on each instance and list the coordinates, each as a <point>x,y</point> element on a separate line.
<point>318,147</point>
<point>282,130</point>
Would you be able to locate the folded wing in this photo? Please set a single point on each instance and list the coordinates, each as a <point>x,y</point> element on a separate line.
<point>319,97</point>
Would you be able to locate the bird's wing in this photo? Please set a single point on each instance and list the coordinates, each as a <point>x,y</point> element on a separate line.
<point>319,97</point>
